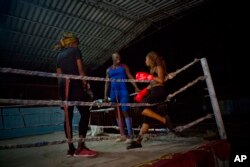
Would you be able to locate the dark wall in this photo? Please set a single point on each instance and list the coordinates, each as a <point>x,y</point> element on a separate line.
<point>214,30</point>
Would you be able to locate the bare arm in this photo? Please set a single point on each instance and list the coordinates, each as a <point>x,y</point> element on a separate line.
<point>161,75</point>
<point>106,88</point>
<point>130,76</point>
<point>81,71</point>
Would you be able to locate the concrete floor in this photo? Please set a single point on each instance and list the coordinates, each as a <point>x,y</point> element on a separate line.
<point>109,153</point>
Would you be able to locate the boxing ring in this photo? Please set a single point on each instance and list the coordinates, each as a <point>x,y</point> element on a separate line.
<point>160,147</point>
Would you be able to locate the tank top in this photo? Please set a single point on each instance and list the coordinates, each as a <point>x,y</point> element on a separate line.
<point>118,73</point>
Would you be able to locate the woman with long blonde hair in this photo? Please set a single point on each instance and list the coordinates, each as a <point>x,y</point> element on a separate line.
<point>153,93</point>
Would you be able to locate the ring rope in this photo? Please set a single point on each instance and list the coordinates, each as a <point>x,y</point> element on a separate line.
<point>117,128</point>
<point>78,77</point>
<point>33,126</point>
<point>187,66</point>
<point>103,110</point>
<point>100,138</point>
<point>184,127</point>
<point>47,143</point>
<point>65,76</point>
<point>200,78</point>
<point>60,103</point>
<point>98,104</point>
<point>177,129</point>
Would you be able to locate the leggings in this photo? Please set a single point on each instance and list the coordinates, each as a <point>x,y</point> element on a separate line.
<point>76,93</point>
<point>83,123</point>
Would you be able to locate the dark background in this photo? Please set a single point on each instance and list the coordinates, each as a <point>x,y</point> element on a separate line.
<point>217,31</point>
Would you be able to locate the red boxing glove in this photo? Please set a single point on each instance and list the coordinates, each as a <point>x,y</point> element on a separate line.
<point>141,95</point>
<point>144,76</point>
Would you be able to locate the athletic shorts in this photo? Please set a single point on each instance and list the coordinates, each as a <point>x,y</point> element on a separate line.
<point>156,95</point>
<point>120,96</point>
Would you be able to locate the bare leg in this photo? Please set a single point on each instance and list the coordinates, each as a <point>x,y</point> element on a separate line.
<point>143,130</point>
<point>150,113</point>
<point>165,120</point>
<point>137,143</point>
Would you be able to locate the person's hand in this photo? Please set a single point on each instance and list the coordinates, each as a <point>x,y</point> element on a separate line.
<point>90,93</point>
<point>137,89</point>
<point>106,99</point>
<point>86,85</point>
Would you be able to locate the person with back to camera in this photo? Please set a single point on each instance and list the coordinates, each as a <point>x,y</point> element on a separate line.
<point>69,61</point>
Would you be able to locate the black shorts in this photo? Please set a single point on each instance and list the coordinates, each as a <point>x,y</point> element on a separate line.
<point>156,95</point>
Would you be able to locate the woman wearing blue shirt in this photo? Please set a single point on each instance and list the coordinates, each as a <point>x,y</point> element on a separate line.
<point>119,93</point>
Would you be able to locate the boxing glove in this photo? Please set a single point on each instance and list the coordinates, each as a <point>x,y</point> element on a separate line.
<point>143,76</point>
<point>141,95</point>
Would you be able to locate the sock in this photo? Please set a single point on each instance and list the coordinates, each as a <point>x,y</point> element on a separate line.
<point>128,121</point>
<point>71,146</point>
<point>168,123</point>
<point>81,143</point>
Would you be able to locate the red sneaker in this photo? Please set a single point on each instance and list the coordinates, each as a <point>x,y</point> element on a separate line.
<point>85,152</point>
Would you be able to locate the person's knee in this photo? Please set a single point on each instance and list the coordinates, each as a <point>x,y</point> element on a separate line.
<point>146,111</point>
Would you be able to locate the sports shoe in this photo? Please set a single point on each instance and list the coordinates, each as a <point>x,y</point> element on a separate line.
<point>134,144</point>
<point>85,152</point>
<point>128,141</point>
<point>168,123</point>
<point>120,139</point>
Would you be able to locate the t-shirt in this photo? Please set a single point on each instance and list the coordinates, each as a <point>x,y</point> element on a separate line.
<point>66,61</point>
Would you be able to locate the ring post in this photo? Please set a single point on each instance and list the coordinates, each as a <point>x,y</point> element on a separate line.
<point>213,99</point>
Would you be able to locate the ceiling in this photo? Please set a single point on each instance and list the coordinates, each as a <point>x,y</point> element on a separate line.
<point>29,28</point>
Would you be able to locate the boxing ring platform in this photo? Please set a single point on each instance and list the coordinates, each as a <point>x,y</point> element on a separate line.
<point>157,150</point>
<point>160,148</point>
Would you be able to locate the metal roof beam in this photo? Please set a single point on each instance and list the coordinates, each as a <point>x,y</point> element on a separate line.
<point>70,16</point>
<point>183,6</point>
<point>55,27</point>
<point>23,44</point>
<point>113,9</point>
<point>152,6</point>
